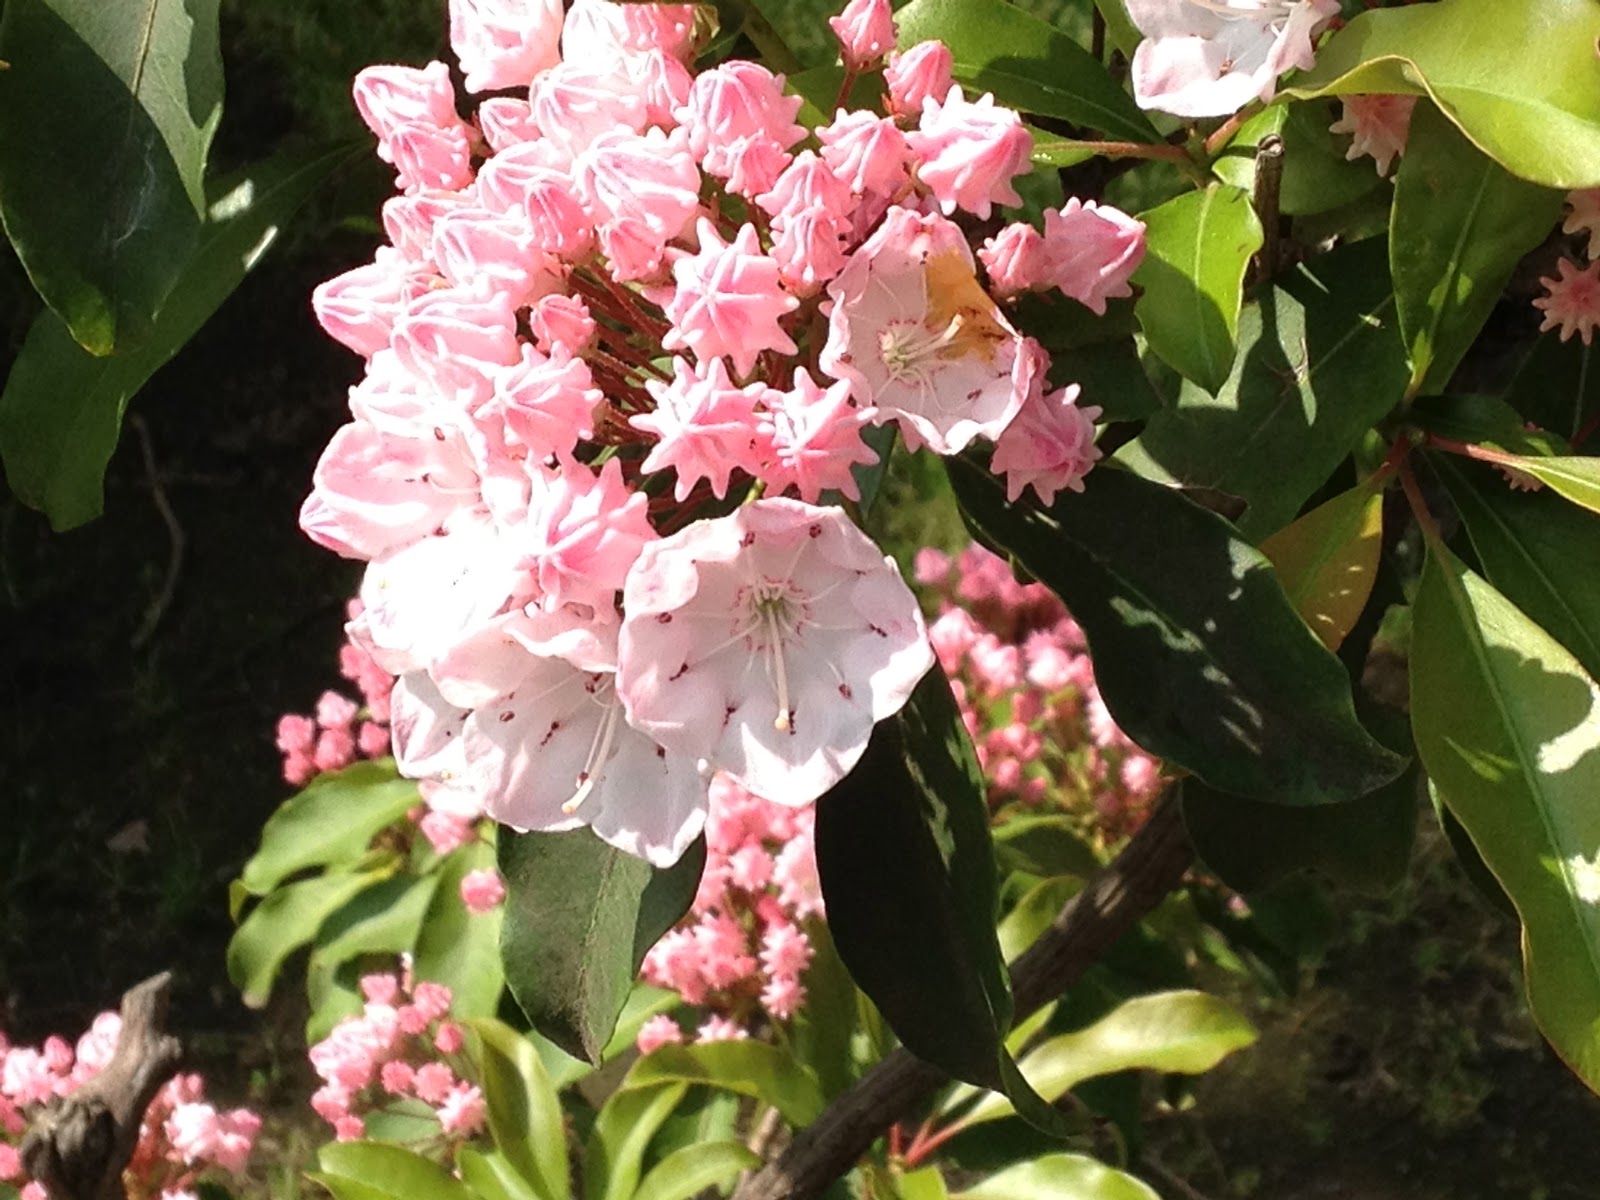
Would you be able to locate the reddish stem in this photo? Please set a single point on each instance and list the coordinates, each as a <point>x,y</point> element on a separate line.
<point>1481,453</point>
<point>1419,507</point>
<point>1397,455</point>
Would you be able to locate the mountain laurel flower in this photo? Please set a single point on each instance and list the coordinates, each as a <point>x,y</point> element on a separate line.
<point>1571,302</point>
<point>1209,58</point>
<point>918,74</point>
<point>865,30</point>
<point>505,43</point>
<point>389,98</point>
<point>1583,216</point>
<point>768,643</point>
<point>868,153</point>
<point>706,427</point>
<point>729,300</point>
<point>920,341</point>
<point>360,307</point>
<point>1089,252</point>
<point>1378,124</point>
<point>505,122</point>
<point>733,102</point>
<point>1011,258</point>
<point>969,152</point>
<point>643,191</point>
<point>814,439</point>
<point>1049,447</point>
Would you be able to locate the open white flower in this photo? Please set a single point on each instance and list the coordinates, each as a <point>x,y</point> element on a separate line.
<point>1209,58</point>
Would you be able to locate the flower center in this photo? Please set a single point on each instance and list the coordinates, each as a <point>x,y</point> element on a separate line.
<point>907,346</point>
<point>599,749</point>
<point>773,613</point>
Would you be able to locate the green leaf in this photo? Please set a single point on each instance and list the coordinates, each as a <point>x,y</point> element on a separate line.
<point>1483,421</point>
<point>61,411</point>
<point>902,844</point>
<point>383,919</point>
<point>1539,552</point>
<point>1184,1033</point>
<point>286,920</point>
<point>1033,913</point>
<point>1554,388</point>
<point>1461,223</point>
<point>1317,177</point>
<point>1507,726</point>
<point>1059,1175</point>
<point>492,1176</point>
<point>1197,651</point>
<point>1251,845</point>
<point>1524,92</point>
<point>577,927</point>
<point>524,1113</point>
<point>757,1069</point>
<point>622,1132</point>
<point>1320,360</point>
<point>825,1026</point>
<point>366,1170</point>
<point>925,1184</point>
<point>686,1173</point>
<point>458,948</point>
<point>1576,478</point>
<point>1197,247</point>
<point>1027,63</point>
<point>106,115</point>
<point>1044,846</point>
<point>1328,561</point>
<point>332,822</point>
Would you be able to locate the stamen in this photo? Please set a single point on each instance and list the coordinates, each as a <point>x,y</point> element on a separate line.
<point>780,676</point>
<point>594,765</point>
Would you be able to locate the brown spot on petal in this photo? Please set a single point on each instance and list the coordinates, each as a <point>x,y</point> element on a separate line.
<point>664,618</point>
<point>844,690</point>
<point>508,715</point>
<point>816,529</point>
<point>678,674</point>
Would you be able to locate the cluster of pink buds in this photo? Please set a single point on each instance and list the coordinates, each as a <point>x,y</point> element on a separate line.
<point>741,950</point>
<point>341,731</point>
<point>621,349</point>
<point>181,1139</point>
<point>1022,677</point>
<point>1571,302</point>
<point>402,1047</point>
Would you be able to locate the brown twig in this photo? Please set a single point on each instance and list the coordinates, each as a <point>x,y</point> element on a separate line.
<point>79,1145</point>
<point>175,539</point>
<point>1269,179</point>
<point>1113,902</point>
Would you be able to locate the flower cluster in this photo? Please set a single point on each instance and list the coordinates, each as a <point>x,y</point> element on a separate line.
<point>181,1138</point>
<point>340,731</point>
<point>1571,302</point>
<point>402,1050</point>
<point>742,950</point>
<point>1026,688</point>
<point>624,341</point>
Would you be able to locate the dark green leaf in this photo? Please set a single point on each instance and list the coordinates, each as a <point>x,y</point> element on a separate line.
<point>461,949</point>
<point>106,115</point>
<point>1505,722</point>
<point>1525,93</point>
<point>1317,177</point>
<point>286,920</point>
<point>331,822</point>
<point>758,1069</point>
<point>1538,551</point>
<point>1251,845</point>
<point>825,1026</point>
<point>1483,421</point>
<point>577,925</point>
<point>903,844</point>
<point>1460,225</point>
<point>1468,859</point>
<point>1554,388</point>
<point>1198,653</point>
<point>1320,360</point>
<point>1027,64</point>
<point>1197,248</point>
<point>62,408</point>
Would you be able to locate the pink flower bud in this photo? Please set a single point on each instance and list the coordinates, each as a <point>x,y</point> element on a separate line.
<point>505,43</point>
<point>865,30</point>
<point>506,122</point>
<point>482,891</point>
<point>970,151</point>
<point>919,74</point>
<point>1011,257</point>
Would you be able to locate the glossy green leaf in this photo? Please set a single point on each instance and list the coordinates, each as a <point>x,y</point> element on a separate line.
<point>1197,247</point>
<point>577,925</point>
<point>1044,846</point>
<point>1508,726</point>
<point>525,1115</point>
<point>1031,915</point>
<point>1055,1176</point>
<point>1483,421</point>
<point>1524,93</point>
<point>61,411</point>
<point>363,1170</point>
<point>1538,551</point>
<point>461,949</point>
<point>383,919</point>
<point>333,821</point>
<point>1320,360</point>
<point>926,1184</point>
<point>1460,225</point>
<point>1111,378</point>
<point>758,1069</point>
<point>492,1176</point>
<point>106,116</point>
<point>1198,653</point>
<point>1576,478</point>
<point>825,1026</point>
<point>1251,845</point>
<point>283,922</point>
<point>1328,561</point>
<point>903,843</point>
<point>1555,388</point>
<point>629,1119</point>
<point>1317,177</point>
<point>1468,859</point>
<point>688,1172</point>
<point>1027,63</point>
<point>1184,1033</point>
